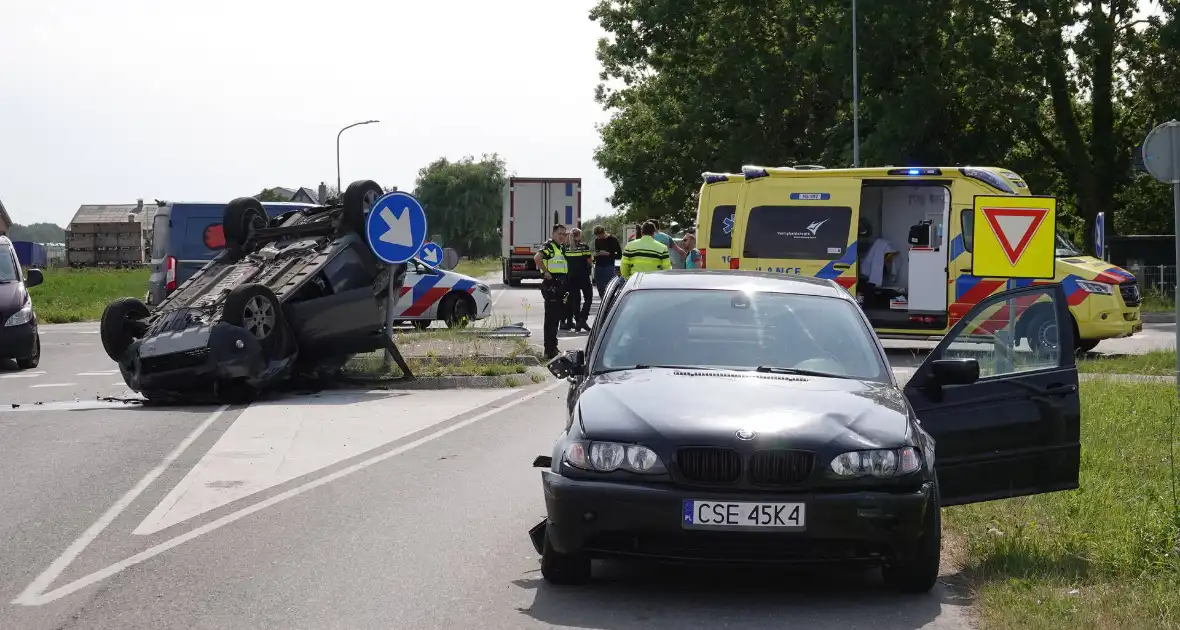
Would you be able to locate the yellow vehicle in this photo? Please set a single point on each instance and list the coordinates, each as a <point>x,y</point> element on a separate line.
<point>901,240</point>
<point>718,200</point>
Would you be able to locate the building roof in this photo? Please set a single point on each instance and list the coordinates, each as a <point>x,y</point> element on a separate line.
<point>312,194</point>
<point>4,218</point>
<point>113,213</point>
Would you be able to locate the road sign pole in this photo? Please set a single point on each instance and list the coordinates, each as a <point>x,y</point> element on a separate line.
<point>390,303</point>
<point>1176,274</point>
<point>395,230</point>
<point>1161,158</point>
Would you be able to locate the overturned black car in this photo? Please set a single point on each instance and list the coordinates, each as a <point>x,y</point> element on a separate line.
<point>297,294</point>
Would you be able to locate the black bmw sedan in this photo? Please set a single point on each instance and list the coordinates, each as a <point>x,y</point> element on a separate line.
<point>744,417</point>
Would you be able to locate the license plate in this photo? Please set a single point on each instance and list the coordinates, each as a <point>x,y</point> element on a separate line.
<point>742,515</point>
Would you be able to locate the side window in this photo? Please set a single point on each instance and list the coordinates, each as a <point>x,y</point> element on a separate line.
<point>1010,336</point>
<point>967,223</point>
<point>347,271</point>
<point>797,232</point>
<point>721,228</point>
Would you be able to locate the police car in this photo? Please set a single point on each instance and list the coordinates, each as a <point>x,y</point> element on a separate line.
<point>431,294</point>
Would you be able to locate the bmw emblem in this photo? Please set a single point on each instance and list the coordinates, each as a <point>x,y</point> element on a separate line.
<point>745,434</point>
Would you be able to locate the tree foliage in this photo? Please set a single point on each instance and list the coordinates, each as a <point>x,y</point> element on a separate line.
<point>463,202</point>
<point>37,233</point>
<point>1057,90</point>
<point>270,194</point>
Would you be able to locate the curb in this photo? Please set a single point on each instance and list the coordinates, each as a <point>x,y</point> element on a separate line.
<point>1158,318</point>
<point>529,377</point>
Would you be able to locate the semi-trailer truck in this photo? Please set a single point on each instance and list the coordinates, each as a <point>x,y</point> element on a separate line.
<point>532,206</point>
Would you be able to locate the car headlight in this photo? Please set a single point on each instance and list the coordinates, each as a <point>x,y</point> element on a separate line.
<point>483,288</point>
<point>1100,288</point>
<point>892,462</point>
<point>611,456</point>
<point>23,316</point>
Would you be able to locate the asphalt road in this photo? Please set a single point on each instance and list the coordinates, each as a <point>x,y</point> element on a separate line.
<point>341,510</point>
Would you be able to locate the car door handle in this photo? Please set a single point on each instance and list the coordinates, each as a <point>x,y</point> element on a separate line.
<point>1059,390</point>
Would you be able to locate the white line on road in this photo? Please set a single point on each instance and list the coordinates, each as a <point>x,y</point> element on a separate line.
<point>103,373</point>
<point>23,375</point>
<point>33,596</point>
<point>52,385</point>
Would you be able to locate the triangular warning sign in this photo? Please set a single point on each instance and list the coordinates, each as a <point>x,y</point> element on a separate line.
<point>1014,228</point>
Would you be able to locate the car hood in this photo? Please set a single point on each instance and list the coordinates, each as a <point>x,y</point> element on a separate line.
<point>681,407</point>
<point>12,297</point>
<point>1090,268</point>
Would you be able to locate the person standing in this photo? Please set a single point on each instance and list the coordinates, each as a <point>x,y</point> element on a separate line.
<point>645,253</point>
<point>606,251</point>
<point>667,241</point>
<point>578,253</point>
<point>555,269</point>
<point>688,249</point>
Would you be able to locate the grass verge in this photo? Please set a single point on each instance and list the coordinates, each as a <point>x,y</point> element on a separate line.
<point>479,267</point>
<point>79,295</point>
<point>1156,363</point>
<point>1103,556</point>
<point>1156,301</point>
<point>440,352</point>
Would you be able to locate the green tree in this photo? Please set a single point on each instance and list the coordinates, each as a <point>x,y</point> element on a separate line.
<point>37,233</point>
<point>463,202</point>
<point>270,194</point>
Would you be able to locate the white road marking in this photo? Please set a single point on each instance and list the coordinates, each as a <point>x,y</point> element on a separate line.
<point>103,373</point>
<point>23,375</point>
<point>272,443</point>
<point>34,595</point>
<point>51,385</point>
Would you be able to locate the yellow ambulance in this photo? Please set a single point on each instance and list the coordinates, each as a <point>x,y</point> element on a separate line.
<point>901,240</point>
<point>715,208</point>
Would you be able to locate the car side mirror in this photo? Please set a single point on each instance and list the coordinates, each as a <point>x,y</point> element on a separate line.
<point>568,364</point>
<point>955,371</point>
<point>34,277</point>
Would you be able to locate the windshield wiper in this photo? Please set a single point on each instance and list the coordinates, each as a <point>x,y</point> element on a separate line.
<point>644,366</point>
<point>770,369</point>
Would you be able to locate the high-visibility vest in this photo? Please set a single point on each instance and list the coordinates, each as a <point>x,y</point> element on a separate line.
<point>644,254</point>
<point>554,258</point>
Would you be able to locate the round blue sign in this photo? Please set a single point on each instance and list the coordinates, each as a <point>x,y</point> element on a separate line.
<point>431,254</point>
<point>396,227</point>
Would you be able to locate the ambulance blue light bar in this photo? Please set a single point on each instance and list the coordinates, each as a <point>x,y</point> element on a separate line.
<point>754,172</point>
<point>715,178</point>
<point>989,178</point>
<point>917,172</point>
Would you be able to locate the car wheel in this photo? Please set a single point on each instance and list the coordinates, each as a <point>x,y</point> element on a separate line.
<point>915,570</point>
<point>357,200</point>
<point>120,326</point>
<point>241,218</point>
<point>1041,331</point>
<point>564,568</point>
<point>1082,346</point>
<point>255,308</point>
<point>457,310</point>
<point>34,359</point>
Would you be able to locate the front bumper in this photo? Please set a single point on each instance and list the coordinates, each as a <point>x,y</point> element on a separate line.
<point>190,368</point>
<point>605,519</point>
<point>18,342</point>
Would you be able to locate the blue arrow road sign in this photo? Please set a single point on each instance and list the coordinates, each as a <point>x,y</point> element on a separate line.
<point>1100,234</point>
<point>396,227</point>
<point>431,254</point>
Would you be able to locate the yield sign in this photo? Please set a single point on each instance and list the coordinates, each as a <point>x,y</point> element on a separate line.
<point>1014,236</point>
<point>1014,228</point>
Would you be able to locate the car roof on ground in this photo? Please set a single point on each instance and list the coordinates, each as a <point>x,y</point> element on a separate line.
<point>730,280</point>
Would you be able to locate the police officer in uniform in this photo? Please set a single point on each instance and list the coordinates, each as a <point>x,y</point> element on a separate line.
<point>581,296</point>
<point>645,253</point>
<point>553,265</point>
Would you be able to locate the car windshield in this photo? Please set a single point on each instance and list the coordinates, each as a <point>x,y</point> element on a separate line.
<point>740,330</point>
<point>1065,247</point>
<point>8,271</point>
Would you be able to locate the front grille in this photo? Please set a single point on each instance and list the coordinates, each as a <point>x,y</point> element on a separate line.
<point>780,468</point>
<point>174,361</point>
<point>709,465</point>
<point>1130,293</point>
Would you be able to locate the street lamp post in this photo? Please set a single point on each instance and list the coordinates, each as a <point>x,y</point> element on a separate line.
<point>339,191</point>
<point>855,97</point>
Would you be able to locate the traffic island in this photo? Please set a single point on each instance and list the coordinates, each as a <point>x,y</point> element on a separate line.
<point>450,359</point>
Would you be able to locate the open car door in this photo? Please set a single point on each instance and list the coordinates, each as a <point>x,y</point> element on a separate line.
<point>1006,419</point>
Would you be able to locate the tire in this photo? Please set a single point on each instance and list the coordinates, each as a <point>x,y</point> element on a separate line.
<point>241,218</point>
<point>513,282</point>
<point>562,568</point>
<point>256,309</point>
<point>357,200</point>
<point>457,310</point>
<point>1082,346</point>
<point>1041,332</point>
<point>120,326</point>
<point>33,360</point>
<point>915,570</point>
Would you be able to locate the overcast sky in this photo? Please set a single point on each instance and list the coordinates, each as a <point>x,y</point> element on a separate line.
<point>108,101</point>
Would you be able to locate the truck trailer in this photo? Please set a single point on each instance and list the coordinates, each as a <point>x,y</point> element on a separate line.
<point>532,206</point>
